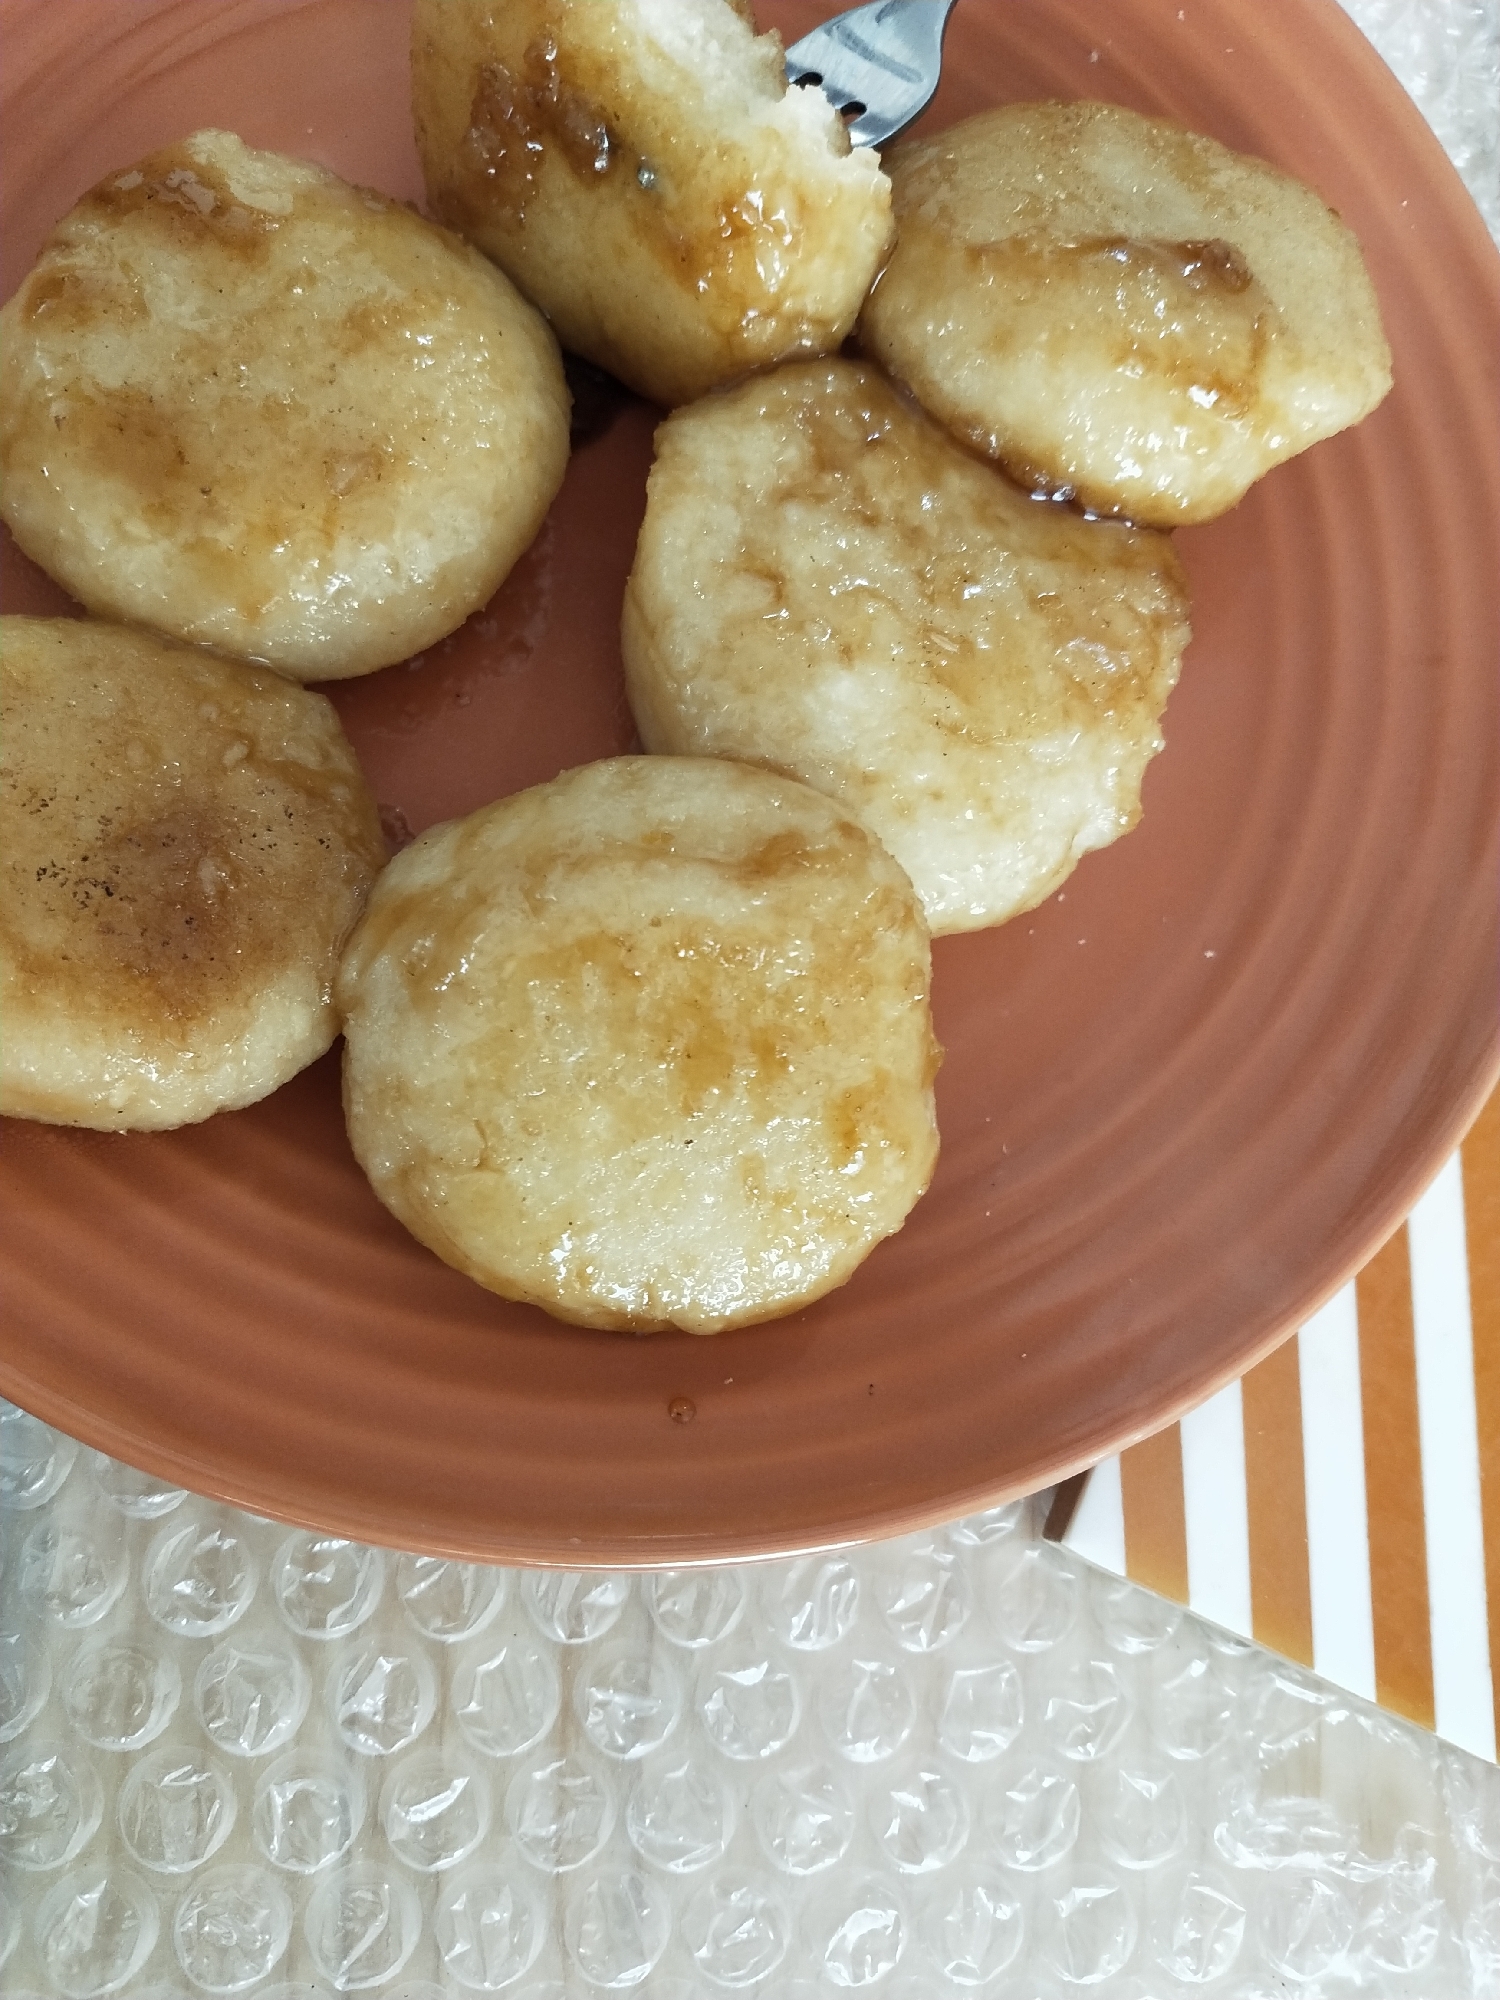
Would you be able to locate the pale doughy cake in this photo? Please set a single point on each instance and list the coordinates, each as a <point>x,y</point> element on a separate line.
<point>251,406</point>
<point>827,584</point>
<point>642,171</point>
<point>1121,312</point>
<point>185,845</point>
<point>648,1046</point>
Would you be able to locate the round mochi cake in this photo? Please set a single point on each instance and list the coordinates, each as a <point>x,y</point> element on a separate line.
<point>1123,313</point>
<point>828,585</point>
<point>648,1046</point>
<point>185,845</point>
<point>645,175</point>
<point>253,407</point>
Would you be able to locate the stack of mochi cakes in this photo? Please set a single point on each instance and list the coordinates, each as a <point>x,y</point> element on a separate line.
<point>650,1045</point>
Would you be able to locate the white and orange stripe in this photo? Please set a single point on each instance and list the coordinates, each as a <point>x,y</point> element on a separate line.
<point>1341,1503</point>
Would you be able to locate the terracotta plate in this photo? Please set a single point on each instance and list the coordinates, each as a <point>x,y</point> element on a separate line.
<point>1182,1101</point>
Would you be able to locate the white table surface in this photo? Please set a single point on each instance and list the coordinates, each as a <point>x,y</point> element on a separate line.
<point>236,1759</point>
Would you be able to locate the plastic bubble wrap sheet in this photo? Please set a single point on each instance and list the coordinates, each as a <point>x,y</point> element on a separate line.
<point>1447,53</point>
<point>241,1759</point>
<point>236,1759</point>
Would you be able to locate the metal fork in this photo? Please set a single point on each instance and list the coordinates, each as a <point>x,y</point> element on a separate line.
<point>878,65</point>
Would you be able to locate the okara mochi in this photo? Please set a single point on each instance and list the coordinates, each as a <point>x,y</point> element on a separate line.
<point>648,1046</point>
<point>643,172</point>
<point>827,584</point>
<point>248,405</point>
<point>1123,313</point>
<point>185,845</point>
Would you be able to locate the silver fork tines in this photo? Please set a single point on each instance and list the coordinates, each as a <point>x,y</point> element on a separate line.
<point>878,65</point>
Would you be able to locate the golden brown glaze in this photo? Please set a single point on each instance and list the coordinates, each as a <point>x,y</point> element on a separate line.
<point>187,192</point>
<point>1121,312</point>
<point>644,174</point>
<point>828,585</point>
<point>514,122</point>
<point>648,1046</point>
<point>186,845</point>
<point>257,408</point>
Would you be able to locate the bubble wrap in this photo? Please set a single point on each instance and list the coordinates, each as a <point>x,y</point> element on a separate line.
<point>241,1759</point>
<point>1447,53</point>
<point>237,1759</point>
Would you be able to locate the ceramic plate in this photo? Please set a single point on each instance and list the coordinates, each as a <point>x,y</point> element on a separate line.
<point>1181,1101</point>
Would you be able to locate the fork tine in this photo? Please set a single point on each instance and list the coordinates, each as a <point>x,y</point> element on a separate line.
<point>884,59</point>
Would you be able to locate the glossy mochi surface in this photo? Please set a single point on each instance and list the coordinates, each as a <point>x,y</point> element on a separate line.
<point>257,408</point>
<point>1121,311</point>
<point>185,844</point>
<point>648,1046</point>
<point>642,171</point>
<point>828,585</point>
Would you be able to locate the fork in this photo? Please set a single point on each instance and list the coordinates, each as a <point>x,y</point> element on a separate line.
<point>878,65</point>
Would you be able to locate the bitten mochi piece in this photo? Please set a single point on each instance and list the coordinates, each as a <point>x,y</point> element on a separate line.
<point>826,584</point>
<point>643,172</point>
<point>1121,312</point>
<point>256,408</point>
<point>648,1046</point>
<point>185,845</point>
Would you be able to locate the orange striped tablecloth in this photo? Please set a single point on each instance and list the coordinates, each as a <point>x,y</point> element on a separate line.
<point>1341,1503</point>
